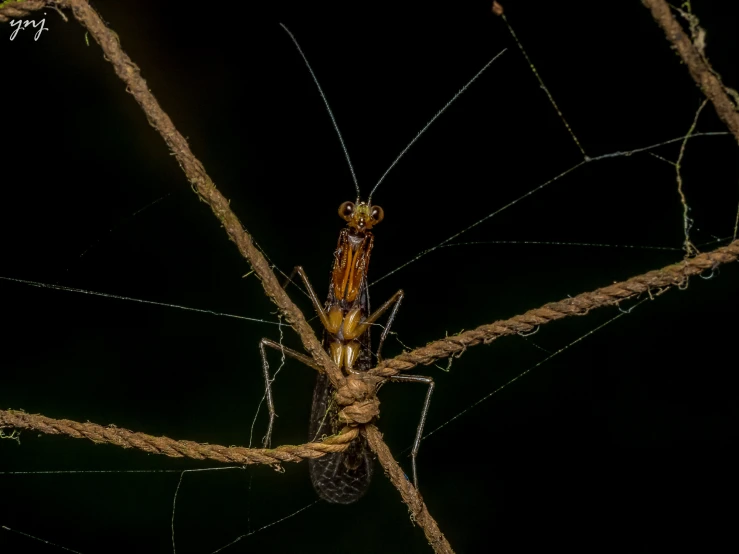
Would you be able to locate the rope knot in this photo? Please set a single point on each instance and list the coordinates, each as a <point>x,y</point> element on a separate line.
<point>357,394</point>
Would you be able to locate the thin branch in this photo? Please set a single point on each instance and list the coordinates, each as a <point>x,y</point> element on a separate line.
<point>701,71</point>
<point>199,179</point>
<point>655,281</point>
<point>174,448</point>
<point>419,512</point>
<point>690,248</point>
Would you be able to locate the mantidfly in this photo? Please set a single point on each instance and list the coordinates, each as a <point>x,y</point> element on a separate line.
<point>343,477</point>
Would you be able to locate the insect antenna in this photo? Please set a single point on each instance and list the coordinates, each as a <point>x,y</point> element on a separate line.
<point>425,127</point>
<point>328,108</point>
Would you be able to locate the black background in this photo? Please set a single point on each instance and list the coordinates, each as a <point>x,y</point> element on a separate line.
<point>623,441</point>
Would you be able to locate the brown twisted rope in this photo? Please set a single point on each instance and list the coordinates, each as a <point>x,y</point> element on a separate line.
<point>408,492</point>
<point>656,281</point>
<point>701,71</point>
<point>18,9</point>
<point>174,448</point>
<point>356,392</point>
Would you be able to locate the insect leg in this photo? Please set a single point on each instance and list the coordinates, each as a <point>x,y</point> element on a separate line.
<point>289,278</point>
<point>359,329</point>
<point>313,297</point>
<point>397,298</point>
<point>287,351</point>
<point>268,382</point>
<point>419,432</point>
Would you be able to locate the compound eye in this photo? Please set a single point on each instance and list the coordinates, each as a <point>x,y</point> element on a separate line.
<point>346,211</point>
<point>377,214</point>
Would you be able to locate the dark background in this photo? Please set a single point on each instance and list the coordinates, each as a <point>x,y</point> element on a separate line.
<point>625,441</point>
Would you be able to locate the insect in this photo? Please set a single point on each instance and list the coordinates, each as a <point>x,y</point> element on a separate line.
<point>346,317</point>
<point>343,478</point>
